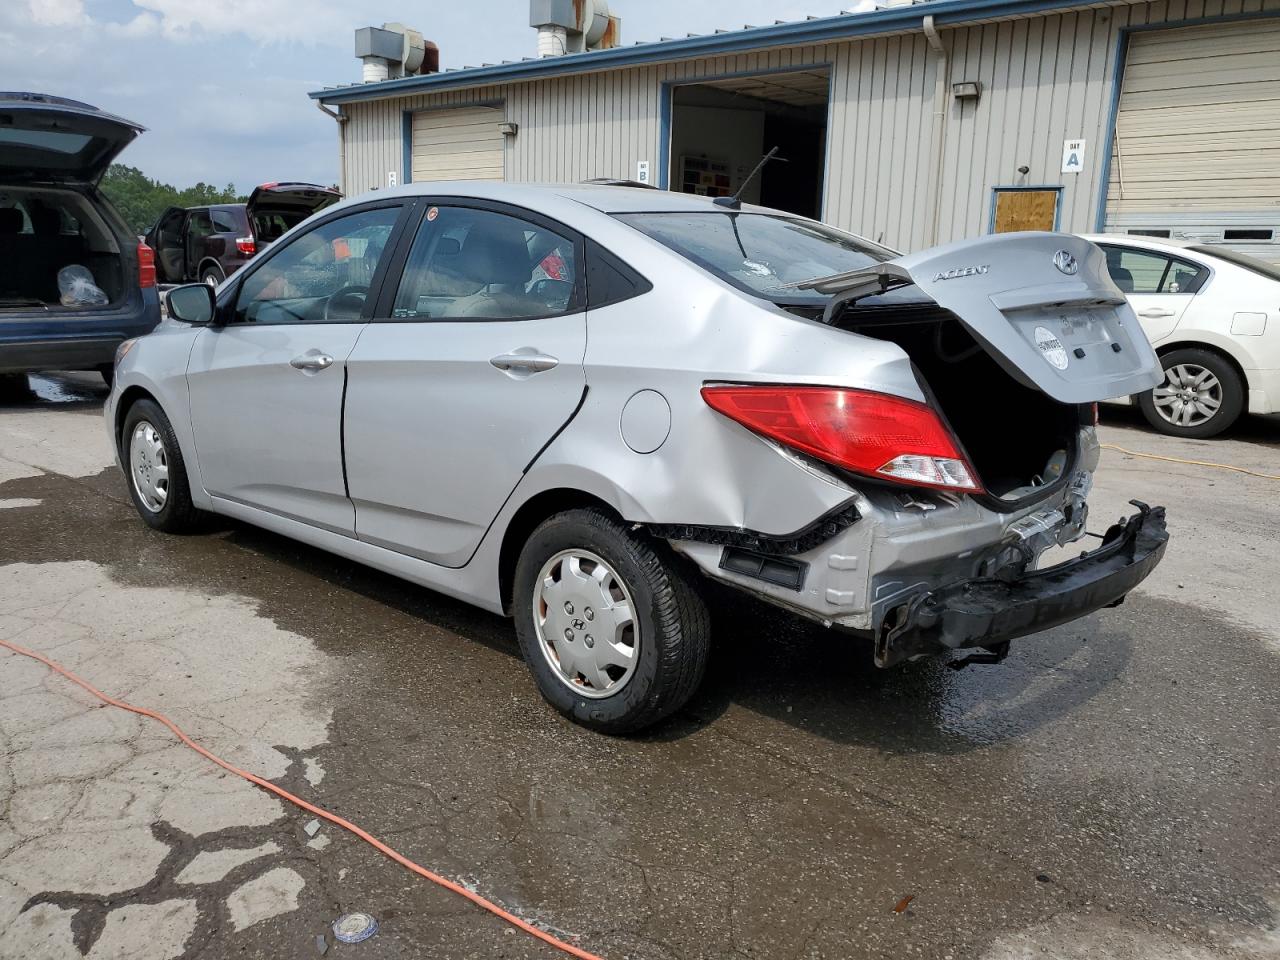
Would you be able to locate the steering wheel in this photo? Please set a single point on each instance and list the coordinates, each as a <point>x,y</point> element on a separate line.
<point>346,303</point>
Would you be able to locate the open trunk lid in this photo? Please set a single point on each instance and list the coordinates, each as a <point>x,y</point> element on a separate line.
<point>44,138</point>
<point>1042,304</point>
<point>275,207</point>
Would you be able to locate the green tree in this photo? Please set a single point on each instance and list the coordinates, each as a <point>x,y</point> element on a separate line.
<point>141,199</point>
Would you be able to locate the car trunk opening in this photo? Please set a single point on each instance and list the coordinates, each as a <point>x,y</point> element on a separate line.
<point>44,231</point>
<point>275,208</point>
<point>1019,440</point>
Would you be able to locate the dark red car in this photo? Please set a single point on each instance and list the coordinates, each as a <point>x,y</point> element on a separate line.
<point>209,244</point>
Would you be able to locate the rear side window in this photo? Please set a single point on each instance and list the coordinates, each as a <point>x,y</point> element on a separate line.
<point>1145,271</point>
<point>323,276</point>
<point>472,264</point>
<point>224,222</point>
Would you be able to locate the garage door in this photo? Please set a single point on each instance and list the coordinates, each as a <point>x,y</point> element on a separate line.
<point>1198,127</point>
<point>463,143</point>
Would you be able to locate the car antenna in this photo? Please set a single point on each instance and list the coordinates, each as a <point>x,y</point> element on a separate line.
<point>735,202</point>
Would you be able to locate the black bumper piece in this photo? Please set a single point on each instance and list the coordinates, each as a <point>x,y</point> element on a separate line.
<point>988,613</point>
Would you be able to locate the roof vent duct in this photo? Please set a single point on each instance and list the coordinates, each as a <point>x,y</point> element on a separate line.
<point>573,26</point>
<point>394,50</point>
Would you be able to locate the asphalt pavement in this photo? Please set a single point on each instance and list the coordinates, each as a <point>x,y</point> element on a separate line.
<point>1109,791</point>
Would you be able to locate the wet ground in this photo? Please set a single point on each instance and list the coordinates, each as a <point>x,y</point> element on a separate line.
<point>1108,791</point>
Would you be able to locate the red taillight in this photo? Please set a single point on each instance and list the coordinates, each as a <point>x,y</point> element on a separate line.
<point>146,266</point>
<point>869,433</point>
<point>246,245</point>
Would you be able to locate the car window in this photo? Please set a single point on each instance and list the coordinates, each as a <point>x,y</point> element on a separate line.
<point>468,264</point>
<point>1144,271</point>
<point>224,222</point>
<point>322,276</point>
<point>763,254</point>
<point>199,225</point>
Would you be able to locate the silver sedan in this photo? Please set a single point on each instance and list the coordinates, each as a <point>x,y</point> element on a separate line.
<point>574,405</point>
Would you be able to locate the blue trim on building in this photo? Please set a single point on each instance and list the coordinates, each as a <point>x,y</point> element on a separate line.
<point>666,98</point>
<point>406,146</point>
<point>1058,188</point>
<point>1117,84</point>
<point>799,33</point>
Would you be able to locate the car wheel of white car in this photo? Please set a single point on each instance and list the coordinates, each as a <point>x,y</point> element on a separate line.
<point>1202,395</point>
<point>609,623</point>
<point>157,475</point>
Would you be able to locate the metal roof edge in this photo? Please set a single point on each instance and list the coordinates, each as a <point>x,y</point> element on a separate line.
<point>796,33</point>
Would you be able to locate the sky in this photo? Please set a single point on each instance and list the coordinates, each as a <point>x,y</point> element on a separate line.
<point>221,85</point>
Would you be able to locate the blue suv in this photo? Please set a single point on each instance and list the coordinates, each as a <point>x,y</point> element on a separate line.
<point>54,219</point>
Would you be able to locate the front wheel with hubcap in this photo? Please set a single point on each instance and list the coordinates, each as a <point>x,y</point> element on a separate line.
<point>155,469</point>
<point>1202,395</point>
<point>609,623</point>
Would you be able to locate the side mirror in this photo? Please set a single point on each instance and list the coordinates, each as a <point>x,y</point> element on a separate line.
<point>193,304</point>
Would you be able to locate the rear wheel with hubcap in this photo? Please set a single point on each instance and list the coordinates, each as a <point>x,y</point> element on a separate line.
<point>211,275</point>
<point>609,623</point>
<point>1202,395</point>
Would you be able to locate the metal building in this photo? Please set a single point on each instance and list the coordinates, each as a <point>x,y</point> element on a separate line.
<point>910,124</point>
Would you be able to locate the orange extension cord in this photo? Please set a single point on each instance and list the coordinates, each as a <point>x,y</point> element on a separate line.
<point>312,808</point>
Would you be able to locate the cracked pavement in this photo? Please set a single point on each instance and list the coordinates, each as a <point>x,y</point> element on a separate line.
<point>1107,792</point>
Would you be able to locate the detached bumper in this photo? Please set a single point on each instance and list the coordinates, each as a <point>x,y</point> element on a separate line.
<point>988,613</point>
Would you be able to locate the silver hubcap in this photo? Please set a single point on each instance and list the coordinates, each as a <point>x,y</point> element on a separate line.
<point>210,279</point>
<point>1189,396</point>
<point>586,623</point>
<point>149,466</point>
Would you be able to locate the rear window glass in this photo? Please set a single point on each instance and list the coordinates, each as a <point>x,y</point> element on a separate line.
<point>1269,270</point>
<point>224,222</point>
<point>764,254</point>
<point>56,140</point>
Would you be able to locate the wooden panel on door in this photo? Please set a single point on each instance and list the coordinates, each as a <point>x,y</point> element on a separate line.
<point>1025,210</point>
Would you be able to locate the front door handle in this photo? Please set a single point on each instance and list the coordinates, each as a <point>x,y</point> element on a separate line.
<point>312,360</point>
<point>525,359</point>
<point>1154,312</point>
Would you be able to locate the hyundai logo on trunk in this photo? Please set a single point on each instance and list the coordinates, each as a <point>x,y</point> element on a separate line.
<point>1065,262</point>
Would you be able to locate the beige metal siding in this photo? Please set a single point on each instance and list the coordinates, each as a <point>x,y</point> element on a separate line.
<point>1044,80</point>
<point>1198,127</point>
<point>458,143</point>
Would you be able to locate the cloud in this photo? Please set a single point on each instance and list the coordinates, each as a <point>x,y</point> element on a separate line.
<point>57,13</point>
<point>264,21</point>
<point>143,25</point>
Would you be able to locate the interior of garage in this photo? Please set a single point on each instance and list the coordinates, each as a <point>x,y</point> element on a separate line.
<point>721,128</point>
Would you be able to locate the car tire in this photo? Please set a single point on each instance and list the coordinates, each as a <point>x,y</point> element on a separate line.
<point>212,276</point>
<point>162,497</point>
<point>668,635</point>
<point>1201,396</point>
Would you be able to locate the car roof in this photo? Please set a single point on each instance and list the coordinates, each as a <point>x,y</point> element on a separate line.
<point>1138,240</point>
<point>605,198</point>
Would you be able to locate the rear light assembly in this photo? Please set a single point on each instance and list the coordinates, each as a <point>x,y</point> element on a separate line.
<point>146,266</point>
<point>246,245</point>
<point>872,434</point>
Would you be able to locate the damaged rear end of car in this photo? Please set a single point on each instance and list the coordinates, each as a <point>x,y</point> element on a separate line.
<point>961,481</point>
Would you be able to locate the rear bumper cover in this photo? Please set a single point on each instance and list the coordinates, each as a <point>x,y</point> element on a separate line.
<point>988,613</point>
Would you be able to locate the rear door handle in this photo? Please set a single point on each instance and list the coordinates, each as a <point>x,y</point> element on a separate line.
<point>525,359</point>
<point>1154,312</point>
<point>311,360</point>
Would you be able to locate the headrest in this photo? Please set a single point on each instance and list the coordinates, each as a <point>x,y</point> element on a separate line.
<point>10,220</point>
<point>495,252</point>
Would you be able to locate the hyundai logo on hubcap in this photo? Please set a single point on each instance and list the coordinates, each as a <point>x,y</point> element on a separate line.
<point>1065,262</point>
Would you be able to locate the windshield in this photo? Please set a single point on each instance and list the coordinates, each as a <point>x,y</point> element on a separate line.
<point>1260,267</point>
<point>763,254</point>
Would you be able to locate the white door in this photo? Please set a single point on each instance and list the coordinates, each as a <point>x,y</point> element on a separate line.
<point>1198,124</point>
<point>1158,287</point>
<point>266,389</point>
<point>458,143</point>
<point>452,397</point>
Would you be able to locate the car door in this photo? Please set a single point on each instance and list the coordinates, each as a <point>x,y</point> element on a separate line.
<point>267,385</point>
<point>473,364</point>
<point>1158,287</point>
<point>166,239</point>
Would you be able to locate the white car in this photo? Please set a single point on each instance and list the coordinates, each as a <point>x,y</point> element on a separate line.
<point>1213,316</point>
